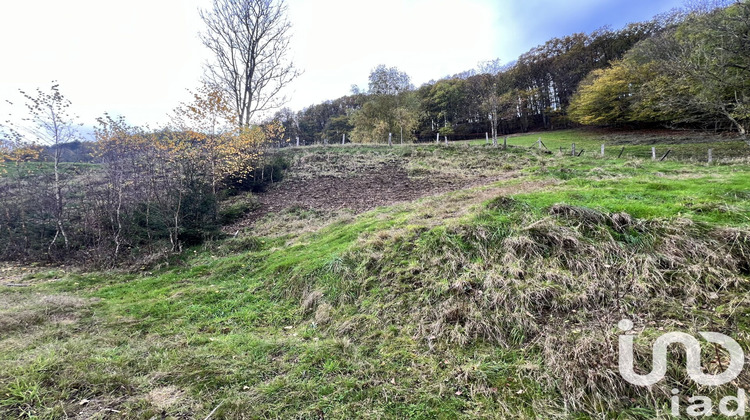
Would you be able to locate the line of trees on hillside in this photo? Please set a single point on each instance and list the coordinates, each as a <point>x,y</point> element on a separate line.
<point>695,73</point>
<point>696,62</point>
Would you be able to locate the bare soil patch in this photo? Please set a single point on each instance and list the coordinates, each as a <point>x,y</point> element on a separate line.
<point>382,184</point>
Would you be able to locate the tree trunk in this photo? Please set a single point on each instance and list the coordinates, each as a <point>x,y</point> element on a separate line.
<point>740,128</point>
<point>58,203</point>
<point>119,221</point>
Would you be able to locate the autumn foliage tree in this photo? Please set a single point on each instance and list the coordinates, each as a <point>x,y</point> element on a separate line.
<point>165,184</point>
<point>230,149</point>
<point>209,121</point>
<point>694,73</point>
<point>392,108</point>
<point>609,96</point>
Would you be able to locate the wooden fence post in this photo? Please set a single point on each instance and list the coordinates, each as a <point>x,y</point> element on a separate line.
<point>297,141</point>
<point>487,137</point>
<point>437,140</point>
<point>602,150</point>
<point>390,143</point>
<point>710,155</point>
<point>653,153</point>
<point>573,149</point>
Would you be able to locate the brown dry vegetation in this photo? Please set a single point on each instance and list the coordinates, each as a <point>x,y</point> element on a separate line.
<point>417,298</point>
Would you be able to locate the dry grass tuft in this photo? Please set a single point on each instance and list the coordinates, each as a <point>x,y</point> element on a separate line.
<point>551,285</point>
<point>63,302</point>
<point>165,397</point>
<point>323,314</point>
<point>621,221</point>
<point>22,319</point>
<point>21,311</point>
<point>582,214</point>
<point>310,301</point>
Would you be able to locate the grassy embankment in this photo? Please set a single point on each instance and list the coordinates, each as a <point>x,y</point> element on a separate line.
<point>494,301</point>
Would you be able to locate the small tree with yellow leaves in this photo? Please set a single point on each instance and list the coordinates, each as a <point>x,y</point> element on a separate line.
<point>210,124</point>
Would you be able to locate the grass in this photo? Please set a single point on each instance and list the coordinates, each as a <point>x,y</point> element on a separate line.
<point>646,190</point>
<point>497,301</point>
<point>687,146</point>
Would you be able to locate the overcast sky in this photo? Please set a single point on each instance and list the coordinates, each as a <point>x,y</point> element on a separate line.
<point>137,58</point>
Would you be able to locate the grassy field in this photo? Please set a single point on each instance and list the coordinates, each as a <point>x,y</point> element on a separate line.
<point>682,146</point>
<point>26,169</point>
<point>496,298</point>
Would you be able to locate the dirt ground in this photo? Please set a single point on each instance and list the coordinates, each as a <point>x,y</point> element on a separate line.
<point>380,184</point>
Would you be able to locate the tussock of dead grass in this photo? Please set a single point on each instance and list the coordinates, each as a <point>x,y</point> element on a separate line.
<point>323,314</point>
<point>19,311</point>
<point>310,301</point>
<point>13,321</point>
<point>165,397</point>
<point>581,214</point>
<point>558,285</point>
<point>561,289</point>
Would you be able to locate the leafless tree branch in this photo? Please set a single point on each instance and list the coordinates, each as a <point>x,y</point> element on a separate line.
<point>250,43</point>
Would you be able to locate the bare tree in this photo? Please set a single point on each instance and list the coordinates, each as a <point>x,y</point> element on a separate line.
<point>50,123</point>
<point>389,81</point>
<point>491,67</point>
<point>250,42</point>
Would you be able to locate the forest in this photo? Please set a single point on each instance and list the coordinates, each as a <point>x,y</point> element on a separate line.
<point>685,69</point>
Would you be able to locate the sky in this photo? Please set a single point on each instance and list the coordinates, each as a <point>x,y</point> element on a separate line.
<point>138,58</point>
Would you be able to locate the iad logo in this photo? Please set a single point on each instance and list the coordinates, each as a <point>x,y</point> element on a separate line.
<point>693,351</point>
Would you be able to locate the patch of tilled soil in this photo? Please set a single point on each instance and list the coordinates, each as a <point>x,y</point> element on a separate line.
<point>379,185</point>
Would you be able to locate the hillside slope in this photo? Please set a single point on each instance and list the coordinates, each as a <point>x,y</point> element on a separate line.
<point>464,281</point>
